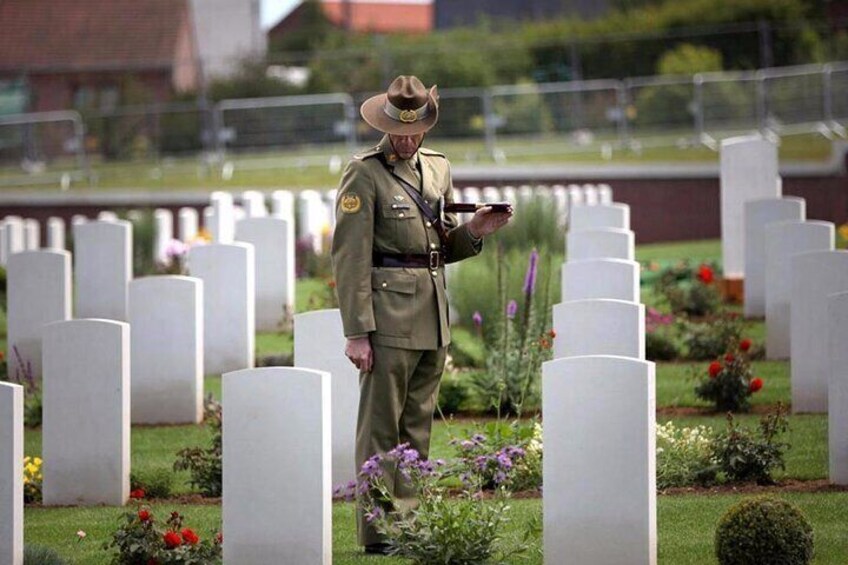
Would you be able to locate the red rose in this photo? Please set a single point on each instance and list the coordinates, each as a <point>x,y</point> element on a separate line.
<point>219,537</point>
<point>190,537</point>
<point>143,515</point>
<point>137,493</point>
<point>715,369</point>
<point>552,333</point>
<point>755,384</point>
<point>729,358</point>
<point>545,343</point>
<point>705,274</point>
<point>172,540</point>
<point>745,344</point>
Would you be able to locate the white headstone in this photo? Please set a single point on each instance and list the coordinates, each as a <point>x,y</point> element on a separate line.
<point>525,193</point>
<point>601,278</point>
<point>329,198</point>
<point>166,316</point>
<point>189,224</point>
<point>163,230</point>
<point>491,194</point>
<point>56,234</point>
<point>287,520</point>
<point>509,195</point>
<point>561,201</point>
<point>758,213</point>
<point>748,172</point>
<point>600,461</point>
<point>606,243</point>
<point>590,195</point>
<point>471,194</point>
<point>282,204</point>
<point>600,216</point>
<point>273,240</point>
<point>253,203</point>
<point>784,239</point>
<point>32,235</point>
<point>575,196</point>
<point>78,219</point>
<point>13,236</point>
<point>11,474</point>
<point>312,219</point>
<point>222,226</point>
<point>107,216</point>
<point>814,276</point>
<point>605,194</point>
<point>319,343</point>
<point>102,269</point>
<point>228,273</point>
<point>599,327</point>
<point>39,293</point>
<point>86,423</point>
<point>837,424</point>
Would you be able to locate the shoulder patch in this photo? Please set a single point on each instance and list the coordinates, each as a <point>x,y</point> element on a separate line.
<point>350,203</point>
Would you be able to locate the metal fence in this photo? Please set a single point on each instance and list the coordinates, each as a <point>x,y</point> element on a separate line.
<point>499,122</point>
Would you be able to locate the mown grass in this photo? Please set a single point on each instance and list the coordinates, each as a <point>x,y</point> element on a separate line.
<point>686,528</point>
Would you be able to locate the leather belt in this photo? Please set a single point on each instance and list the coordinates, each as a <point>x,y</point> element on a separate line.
<point>431,260</point>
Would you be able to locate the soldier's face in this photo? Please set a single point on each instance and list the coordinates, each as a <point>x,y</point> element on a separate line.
<point>406,145</point>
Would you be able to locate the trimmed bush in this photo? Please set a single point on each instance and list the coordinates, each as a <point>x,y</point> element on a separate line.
<point>764,530</point>
<point>41,555</point>
<point>156,483</point>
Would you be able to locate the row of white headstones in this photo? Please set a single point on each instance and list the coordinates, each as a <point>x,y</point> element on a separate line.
<point>181,328</point>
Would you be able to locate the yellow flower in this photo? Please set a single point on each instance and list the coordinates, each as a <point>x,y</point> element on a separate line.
<point>843,231</point>
<point>27,459</point>
<point>26,480</point>
<point>37,460</point>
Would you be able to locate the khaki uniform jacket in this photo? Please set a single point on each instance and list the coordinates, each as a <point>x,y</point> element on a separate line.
<point>400,307</point>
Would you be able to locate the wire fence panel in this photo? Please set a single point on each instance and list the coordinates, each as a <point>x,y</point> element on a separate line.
<point>42,147</point>
<point>730,103</point>
<point>287,122</point>
<point>660,106</point>
<point>794,99</point>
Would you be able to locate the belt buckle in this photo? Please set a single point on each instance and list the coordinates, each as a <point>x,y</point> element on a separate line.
<point>434,260</point>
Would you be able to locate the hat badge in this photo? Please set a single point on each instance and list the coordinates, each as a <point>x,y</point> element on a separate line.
<point>408,116</point>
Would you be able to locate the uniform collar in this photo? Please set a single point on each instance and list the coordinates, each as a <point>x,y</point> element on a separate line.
<point>393,158</point>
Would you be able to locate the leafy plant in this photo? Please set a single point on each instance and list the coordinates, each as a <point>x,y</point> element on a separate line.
<point>41,555</point>
<point>24,376</point>
<point>440,528</point>
<point>32,479</point>
<point>742,456</point>
<point>764,530</point>
<point>684,456</point>
<point>453,393</point>
<point>729,383</point>
<point>711,338</point>
<point>205,464</point>
<point>140,539</point>
<point>155,484</point>
<point>688,290</point>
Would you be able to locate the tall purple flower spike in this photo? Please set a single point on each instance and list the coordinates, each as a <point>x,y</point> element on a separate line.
<point>530,278</point>
<point>511,309</point>
<point>478,319</point>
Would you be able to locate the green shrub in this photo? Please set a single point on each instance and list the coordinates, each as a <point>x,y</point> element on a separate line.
<point>156,483</point>
<point>742,456</point>
<point>41,555</point>
<point>142,239</point>
<point>205,464</point>
<point>659,346</point>
<point>710,339</point>
<point>453,392</point>
<point>764,530</point>
<point>729,383</point>
<point>684,456</point>
<point>467,349</point>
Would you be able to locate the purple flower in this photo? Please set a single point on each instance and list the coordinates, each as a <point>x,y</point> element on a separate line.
<point>530,277</point>
<point>466,444</point>
<point>500,477</point>
<point>478,438</point>
<point>511,309</point>
<point>478,319</point>
<point>175,248</point>
<point>371,468</point>
<point>375,514</point>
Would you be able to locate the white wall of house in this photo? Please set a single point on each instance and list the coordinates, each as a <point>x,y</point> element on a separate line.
<point>227,31</point>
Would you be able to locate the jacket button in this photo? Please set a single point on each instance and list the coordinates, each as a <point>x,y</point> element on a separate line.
<point>432,245</point>
<point>429,224</point>
<point>385,284</point>
<point>434,273</point>
<point>400,215</point>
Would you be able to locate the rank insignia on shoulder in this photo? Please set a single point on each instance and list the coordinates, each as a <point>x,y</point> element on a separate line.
<point>393,158</point>
<point>351,203</point>
<point>398,198</point>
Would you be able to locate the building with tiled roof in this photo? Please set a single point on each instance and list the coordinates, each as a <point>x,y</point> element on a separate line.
<point>366,16</point>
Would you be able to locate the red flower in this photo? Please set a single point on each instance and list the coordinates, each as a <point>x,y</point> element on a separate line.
<point>219,537</point>
<point>705,274</point>
<point>545,343</point>
<point>745,344</point>
<point>190,537</point>
<point>143,515</point>
<point>172,540</point>
<point>755,384</point>
<point>137,493</point>
<point>552,333</point>
<point>715,369</point>
<point>729,358</point>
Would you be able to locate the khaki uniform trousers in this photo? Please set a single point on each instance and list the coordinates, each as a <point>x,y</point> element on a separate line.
<point>396,403</point>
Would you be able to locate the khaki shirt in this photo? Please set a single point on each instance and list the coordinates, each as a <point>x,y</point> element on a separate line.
<point>400,307</point>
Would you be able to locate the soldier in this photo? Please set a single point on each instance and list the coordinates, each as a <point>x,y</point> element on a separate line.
<point>390,246</point>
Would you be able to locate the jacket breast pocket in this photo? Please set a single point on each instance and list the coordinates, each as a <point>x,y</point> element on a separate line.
<point>393,295</point>
<point>400,219</point>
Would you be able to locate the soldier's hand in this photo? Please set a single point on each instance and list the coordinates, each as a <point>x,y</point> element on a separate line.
<point>486,222</point>
<point>359,352</point>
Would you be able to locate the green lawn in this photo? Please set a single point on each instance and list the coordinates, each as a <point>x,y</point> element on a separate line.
<point>686,522</point>
<point>686,526</point>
